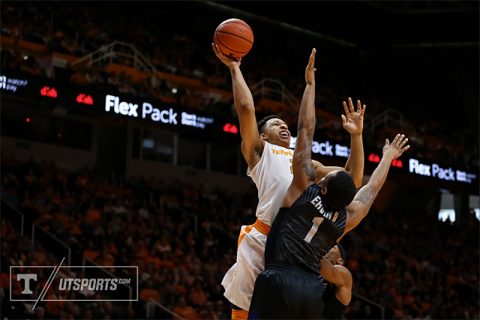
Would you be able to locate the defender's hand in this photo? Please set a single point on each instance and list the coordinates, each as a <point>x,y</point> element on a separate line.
<point>310,70</point>
<point>396,148</point>
<point>353,120</point>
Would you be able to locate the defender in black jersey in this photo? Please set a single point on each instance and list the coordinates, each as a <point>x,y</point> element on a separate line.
<point>313,218</point>
<point>338,283</point>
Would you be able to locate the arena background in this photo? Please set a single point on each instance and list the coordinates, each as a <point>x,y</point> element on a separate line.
<point>99,188</point>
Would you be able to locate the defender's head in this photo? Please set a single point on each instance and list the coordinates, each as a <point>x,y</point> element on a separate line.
<point>337,255</point>
<point>274,130</point>
<point>337,189</point>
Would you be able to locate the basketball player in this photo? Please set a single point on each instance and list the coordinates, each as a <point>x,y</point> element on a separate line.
<point>338,283</point>
<point>313,218</point>
<point>265,149</point>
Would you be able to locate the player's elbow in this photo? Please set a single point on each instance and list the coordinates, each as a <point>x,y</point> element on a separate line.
<point>358,182</point>
<point>244,106</point>
<point>347,299</point>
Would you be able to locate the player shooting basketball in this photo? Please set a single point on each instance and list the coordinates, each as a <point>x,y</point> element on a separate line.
<point>265,149</point>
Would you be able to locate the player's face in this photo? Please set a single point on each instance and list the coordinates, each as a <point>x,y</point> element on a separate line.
<point>276,132</point>
<point>336,253</point>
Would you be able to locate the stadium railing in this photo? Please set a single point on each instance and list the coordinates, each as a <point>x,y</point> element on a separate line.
<point>378,311</point>
<point>165,313</point>
<point>54,245</point>
<point>16,217</point>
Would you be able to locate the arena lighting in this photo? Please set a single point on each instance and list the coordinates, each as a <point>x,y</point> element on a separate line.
<point>375,158</point>
<point>48,92</point>
<point>372,157</point>
<point>230,128</point>
<point>447,211</point>
<point>397,163</point>
<point>474,203</point>
<point>27,119</point>
<point>84,99</point>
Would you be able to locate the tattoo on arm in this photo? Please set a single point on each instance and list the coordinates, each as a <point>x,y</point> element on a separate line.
<point>309,170</point>
<point>305,159</point>
<point>366,195</point>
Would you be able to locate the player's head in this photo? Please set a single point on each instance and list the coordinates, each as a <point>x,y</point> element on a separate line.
<point>274,130</point>
<point>337,189</point>
<point>337,255</point>
<point>343,255</point>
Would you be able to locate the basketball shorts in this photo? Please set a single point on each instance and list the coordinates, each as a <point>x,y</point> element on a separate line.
<point>287,293</point>
<point>240,278</point>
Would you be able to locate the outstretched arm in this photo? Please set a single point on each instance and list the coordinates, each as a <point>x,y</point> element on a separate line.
<point>303,169</point>
<point>358,209</point>
<point>340,276</point>
<point>353,123</point>
<point>252,145</point>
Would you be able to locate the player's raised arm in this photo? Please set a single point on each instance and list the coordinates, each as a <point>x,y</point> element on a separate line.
<point>252,145</point>
<point>303,169</point>
<point>364,198</point>
<point>353,123</point>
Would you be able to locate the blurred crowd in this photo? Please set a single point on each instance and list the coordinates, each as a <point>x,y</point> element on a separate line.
<point>182,237</point>
<point>416,267</point>
<point>175,49</point>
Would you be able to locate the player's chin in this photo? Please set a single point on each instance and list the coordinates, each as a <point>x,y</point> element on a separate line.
<point>284,141</point>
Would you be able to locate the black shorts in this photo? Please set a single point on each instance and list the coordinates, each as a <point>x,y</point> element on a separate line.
<point>287,293</point>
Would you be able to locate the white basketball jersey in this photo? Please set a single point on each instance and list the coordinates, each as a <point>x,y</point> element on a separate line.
<point>272,175</point>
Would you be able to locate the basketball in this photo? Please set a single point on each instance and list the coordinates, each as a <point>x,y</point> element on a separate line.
<point>234,38</point>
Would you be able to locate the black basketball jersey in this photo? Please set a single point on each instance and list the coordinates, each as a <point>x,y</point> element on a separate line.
<point>302,234</point>
<point>333,309</point>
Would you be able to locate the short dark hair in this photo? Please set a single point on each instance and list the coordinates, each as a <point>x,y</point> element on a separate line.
<point>261,124</point>
<point>343,253</point>
<point>340,190</point>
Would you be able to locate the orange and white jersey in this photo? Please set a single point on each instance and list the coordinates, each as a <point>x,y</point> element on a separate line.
<point>272,176</point>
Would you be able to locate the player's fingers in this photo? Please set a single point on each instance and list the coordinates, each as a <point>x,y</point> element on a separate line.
<point>350,105</point>
<point>395,140</point>
<point>359,107</point>
<point>387,142</point>
<point>311,61</point>
<point>405,148</point>
<point>345,108</point>
<point>216,50</point>
<point>402,143</point>
<point>363,110</point>
<point>344,119</point>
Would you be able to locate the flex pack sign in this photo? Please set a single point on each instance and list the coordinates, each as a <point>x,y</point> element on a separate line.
<point>435,171</point>
<point>113,104</point>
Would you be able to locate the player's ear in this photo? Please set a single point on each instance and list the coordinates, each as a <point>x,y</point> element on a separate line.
<point>263,136</point>
<point>323,189</point>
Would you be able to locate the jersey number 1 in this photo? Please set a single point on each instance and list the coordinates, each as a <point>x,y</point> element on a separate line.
<point>317,221</point>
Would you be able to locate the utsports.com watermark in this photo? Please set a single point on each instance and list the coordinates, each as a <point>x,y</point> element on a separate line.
<point>73,283</point>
